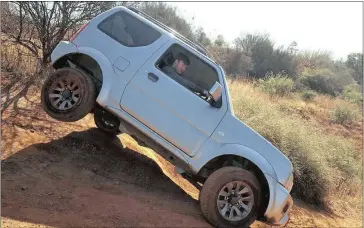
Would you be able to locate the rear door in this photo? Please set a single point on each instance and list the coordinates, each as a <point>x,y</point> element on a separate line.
<point>171,110</point>
<point>126,39</point>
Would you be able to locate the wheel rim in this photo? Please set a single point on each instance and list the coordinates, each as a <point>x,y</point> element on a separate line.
<point>235,201</point>
<point>108,123</point>
<point>106,120</point>
<point>64,93</point>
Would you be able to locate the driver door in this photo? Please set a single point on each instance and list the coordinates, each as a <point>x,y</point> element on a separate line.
<point>172,111</point>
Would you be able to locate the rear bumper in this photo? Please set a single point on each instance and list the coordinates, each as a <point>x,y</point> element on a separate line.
<point>63,48</point>
<point>280,204</point>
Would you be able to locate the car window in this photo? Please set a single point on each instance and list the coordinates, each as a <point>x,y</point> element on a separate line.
<point>197,77</point>
<point>128,30</point>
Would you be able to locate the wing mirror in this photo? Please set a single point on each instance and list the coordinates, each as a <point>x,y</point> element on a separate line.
<point>215,93</point>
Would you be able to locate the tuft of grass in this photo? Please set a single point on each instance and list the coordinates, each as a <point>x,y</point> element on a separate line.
<point>16,58</point>
<point>352,93</point>
<point>345,115</point>
<point>308,95</point>
<point>323,163</point>
<point>277,85</point>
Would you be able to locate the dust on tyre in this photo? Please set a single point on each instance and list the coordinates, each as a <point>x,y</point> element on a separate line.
<point>68,95</point>
<point>230,197</point>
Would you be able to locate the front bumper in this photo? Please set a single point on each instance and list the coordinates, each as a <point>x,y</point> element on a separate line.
<point>280,204</point>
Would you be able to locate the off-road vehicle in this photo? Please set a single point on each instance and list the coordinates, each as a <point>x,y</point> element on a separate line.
<point>112,67</point>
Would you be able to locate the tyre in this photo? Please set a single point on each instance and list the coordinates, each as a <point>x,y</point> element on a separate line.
<point>106,121</point>
<point>68,95</point>
<point>230,197</point>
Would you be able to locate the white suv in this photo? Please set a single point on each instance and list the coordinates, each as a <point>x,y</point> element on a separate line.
<point>113,67</point>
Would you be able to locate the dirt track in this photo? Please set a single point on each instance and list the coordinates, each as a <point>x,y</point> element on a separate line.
<point>83,179</point>
<point>72,175</point>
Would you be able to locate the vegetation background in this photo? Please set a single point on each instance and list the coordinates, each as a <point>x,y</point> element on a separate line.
<point>306,103</point>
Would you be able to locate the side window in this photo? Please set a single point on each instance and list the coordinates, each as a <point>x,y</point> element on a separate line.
<point>128,30</point>
<point>188,70</point>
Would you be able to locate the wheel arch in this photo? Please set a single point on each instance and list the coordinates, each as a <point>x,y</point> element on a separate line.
<point>245,158</point>
<point>98,65</point>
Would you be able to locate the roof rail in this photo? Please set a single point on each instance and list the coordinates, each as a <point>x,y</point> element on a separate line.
<point>170,30</point>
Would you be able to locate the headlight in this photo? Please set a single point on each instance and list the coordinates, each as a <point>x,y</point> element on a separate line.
<point>289,183</point>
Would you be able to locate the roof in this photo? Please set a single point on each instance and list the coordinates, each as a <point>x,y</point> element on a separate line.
<point>179,36</point>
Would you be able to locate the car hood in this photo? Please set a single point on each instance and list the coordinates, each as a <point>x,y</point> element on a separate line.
<point>235,131</point>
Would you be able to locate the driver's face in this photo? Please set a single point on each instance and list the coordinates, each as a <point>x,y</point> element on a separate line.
<point>180,67</point>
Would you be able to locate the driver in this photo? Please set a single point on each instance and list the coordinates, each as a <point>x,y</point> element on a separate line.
<point>178,67</point>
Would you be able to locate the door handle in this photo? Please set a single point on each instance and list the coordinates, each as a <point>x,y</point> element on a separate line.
<point>153,77</point>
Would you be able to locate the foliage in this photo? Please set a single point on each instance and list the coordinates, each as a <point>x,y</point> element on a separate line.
<point>323,162</point>
<point>265,57</point>
<point>355,62</point>
<point>321,80</point>
<point>233,61</point>
<point>282,60</point>
<point>260,48</point>
<point>40,26</point>
<point>202,38</point>
<point>278,84</point>
<point>352,93</point>
<point>314,60</point>
<point>220,41</point>
<point>344,114</point>
<point>308,95</point>
<point>169,16</point>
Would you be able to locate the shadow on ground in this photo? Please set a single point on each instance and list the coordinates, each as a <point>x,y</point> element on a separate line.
<point>86,179</point>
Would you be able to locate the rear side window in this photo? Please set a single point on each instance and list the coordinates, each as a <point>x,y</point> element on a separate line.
<point>128,30</point>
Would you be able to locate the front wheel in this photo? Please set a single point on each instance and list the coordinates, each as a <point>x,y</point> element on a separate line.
<point>230,197</point>
<point>68,95</point>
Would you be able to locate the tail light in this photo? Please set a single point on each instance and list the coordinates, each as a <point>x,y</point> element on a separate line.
<point>78,32</point>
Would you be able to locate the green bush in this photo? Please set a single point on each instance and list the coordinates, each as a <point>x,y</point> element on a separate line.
<point>344,114</point>
<point>308,95</point>
<point>320,80</point>
<point>352,93</point>
<point>277,85</point>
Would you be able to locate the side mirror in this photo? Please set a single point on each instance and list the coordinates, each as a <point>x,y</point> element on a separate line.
<point>216,92</point>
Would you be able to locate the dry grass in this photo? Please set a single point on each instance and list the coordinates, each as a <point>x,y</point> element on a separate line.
<point>17,58</point>
<point>327,163</point>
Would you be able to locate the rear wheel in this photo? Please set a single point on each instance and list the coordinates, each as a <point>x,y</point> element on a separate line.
<point>68,95</point>
<point>230,197</point>
<point>106,121</point>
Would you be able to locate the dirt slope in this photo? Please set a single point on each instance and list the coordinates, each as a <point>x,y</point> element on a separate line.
<point>72,175</point>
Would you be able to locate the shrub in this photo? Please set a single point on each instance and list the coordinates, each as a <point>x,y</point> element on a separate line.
<point>277,85</point>
<point>323,163</point>
<point>352,93</point>
<point>320,80</point>
<point>308,95</point>
<point>344,114</point>
<point>327,80</point>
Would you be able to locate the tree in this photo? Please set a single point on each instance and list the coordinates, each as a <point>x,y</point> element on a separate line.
<point>282,61</point>
<point>202,38</point>
<point>355,62</point>
<point>292,48</point>
<point>168,15</point>
<point>260,48</point>
<point>220,41</point>
<point>40,26</point>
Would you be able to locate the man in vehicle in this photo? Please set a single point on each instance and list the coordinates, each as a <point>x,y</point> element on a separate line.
<point>177,69</point>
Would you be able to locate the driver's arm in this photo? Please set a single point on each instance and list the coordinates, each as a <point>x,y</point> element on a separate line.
<point>191,85</point>
<point>186,83</point>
